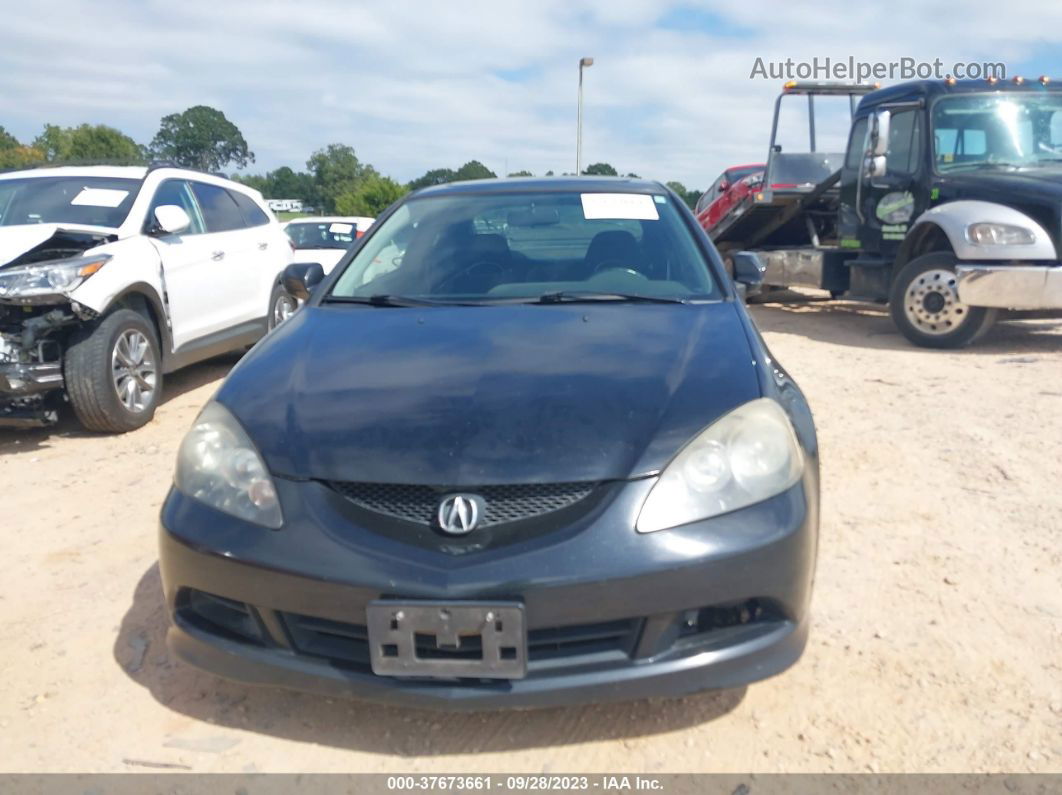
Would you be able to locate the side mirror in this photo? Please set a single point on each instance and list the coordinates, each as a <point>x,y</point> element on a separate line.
<point>879,133</point>
<point>300,278</point>
<point>748,269</point>
<point>171,219</point>
<point>875,166</point>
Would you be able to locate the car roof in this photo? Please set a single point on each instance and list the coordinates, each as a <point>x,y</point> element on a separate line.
<point>570,184</point>
<point>127,172</point>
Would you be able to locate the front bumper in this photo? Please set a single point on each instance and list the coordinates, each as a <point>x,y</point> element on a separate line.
<point>21,380</point>
<point>1010,286</point>
<point>611,614</point>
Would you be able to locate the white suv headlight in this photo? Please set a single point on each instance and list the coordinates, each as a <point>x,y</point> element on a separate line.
<point>49,278</point>
<point>744,457</point>
<point>987,234</point>
<point>219,465</point>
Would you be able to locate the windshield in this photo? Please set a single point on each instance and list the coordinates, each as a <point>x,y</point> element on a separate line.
<point>526,245</point>
<point>981,130</point>
<point>326,234</point>
<point>735,174</point>
<point>93,201</point>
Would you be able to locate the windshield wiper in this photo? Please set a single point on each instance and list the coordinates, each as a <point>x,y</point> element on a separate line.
<point>389,300</point>
<point>578,296</point>
<point>984,164</point>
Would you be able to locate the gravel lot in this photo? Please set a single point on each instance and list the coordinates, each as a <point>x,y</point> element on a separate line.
<point>937,642</point>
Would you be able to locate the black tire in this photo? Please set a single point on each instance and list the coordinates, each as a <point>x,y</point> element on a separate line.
<point>92,376</point>
<point>925,306</point>
<point>278,296</point>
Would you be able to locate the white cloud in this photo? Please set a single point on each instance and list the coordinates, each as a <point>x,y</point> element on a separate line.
<point>413,85</point>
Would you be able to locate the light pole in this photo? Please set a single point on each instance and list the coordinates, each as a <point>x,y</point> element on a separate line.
<point>579,124</point>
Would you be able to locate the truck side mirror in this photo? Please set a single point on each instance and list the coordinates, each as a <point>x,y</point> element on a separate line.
<point>875,166</point>
<point>879,133</point>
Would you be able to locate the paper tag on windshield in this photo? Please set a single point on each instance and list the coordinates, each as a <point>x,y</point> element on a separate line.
<point>619,206</point>
<point>99,197</point>
<point>340,229</point>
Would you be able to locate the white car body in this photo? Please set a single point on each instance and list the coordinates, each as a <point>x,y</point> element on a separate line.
<point>328,258</point>
<point>207,289</point>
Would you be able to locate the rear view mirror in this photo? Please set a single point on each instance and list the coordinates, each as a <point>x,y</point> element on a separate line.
<point>171,219</point>
<point>301,277</point>
<point>724,186</point>
<point>748,269</point>
<point>534,217</point>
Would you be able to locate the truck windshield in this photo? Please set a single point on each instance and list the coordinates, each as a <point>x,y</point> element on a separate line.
<point>524,245</point>
<point>997,130</point>
<point>90,201</point>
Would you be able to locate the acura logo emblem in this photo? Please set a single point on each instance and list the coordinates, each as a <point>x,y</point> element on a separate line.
<point>458,514</point>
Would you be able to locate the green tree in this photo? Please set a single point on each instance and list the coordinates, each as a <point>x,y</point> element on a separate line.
<point>436,176</point>
<point>201,137</point>
<point>688,196</point>
<point>260,182</point>
<point>287,184</point>
<point>373,195</point>
<point>521,174</point>
<point>20,157</point>
<point>473,169</point>
<point>335,171</point>
<point>7,140</point>
<point>601,170</point>
<point>87,142</point>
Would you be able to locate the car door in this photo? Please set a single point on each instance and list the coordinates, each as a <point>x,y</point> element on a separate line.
<point>234,300</point>
<point>270,247</point>
<point>186,264</point>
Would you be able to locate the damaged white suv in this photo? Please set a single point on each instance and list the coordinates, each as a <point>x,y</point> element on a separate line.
<point>112,276</point>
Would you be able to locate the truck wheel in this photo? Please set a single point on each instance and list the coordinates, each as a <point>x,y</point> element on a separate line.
<point>282,305</point>
<point>113,373</point>
<point>925,306</point>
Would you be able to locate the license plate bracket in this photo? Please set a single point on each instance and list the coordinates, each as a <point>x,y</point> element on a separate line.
<point>447,639</point>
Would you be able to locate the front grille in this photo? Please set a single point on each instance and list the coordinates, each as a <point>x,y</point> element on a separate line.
<point>503,504</point>
<point>338,641</point>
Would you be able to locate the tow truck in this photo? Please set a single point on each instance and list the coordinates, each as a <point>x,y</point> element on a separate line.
<point>946,205</point>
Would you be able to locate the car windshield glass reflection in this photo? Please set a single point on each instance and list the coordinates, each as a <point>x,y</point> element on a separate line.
<point>508,247</point>
<point>322,235</point>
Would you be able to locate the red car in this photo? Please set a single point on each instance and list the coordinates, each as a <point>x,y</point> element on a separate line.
<point>733,185</point>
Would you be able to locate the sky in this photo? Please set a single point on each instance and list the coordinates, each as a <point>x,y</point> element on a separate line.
<point>419,85</point>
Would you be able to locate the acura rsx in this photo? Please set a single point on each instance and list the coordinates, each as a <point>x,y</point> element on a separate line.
<point>523,446</point>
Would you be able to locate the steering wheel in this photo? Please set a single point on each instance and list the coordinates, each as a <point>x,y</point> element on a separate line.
<point>497,267</point>
<point>617,265</point>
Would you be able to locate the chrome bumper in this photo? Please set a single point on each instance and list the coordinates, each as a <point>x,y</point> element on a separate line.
<point>1011,286</point>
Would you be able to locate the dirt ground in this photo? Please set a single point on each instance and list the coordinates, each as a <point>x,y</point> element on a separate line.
<point>937,636</point>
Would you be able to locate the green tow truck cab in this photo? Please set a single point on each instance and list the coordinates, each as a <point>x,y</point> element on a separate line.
<point>946,204</point>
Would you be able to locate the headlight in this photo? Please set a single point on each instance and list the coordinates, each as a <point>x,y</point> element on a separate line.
<point>999,235</point>
<point>219,465</point>
<point>49,278</point>
<point>744,457</point>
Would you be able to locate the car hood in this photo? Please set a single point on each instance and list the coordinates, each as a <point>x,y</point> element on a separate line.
<point>22,238</point>
<point>465,396</point>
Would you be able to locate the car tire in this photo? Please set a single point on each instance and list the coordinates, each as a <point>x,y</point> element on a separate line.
<point>113,372</point>
<point>924,304</point>
<point>282,305</point>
